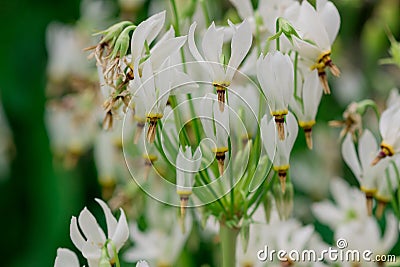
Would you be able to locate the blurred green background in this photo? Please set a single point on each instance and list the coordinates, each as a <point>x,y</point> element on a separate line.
<point>38,200</point>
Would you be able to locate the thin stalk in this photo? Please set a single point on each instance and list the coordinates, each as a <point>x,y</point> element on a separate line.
<point>278,41</point>
<point>178,29</point>
<point>228,244</point>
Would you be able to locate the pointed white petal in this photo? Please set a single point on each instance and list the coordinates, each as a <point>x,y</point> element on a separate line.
<point>66,258</point>
<point>76,235</point>
<point>110,220</point>
<point>330,17</point>
<point>240,46</point>
<point>243,7</point>
<point>367,149</point>
<point>168,48</point>
<point>121,233</point>
<point>350,157</point>
<point>90,228</point>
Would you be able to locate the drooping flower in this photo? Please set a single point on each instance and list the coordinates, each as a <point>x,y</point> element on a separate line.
<point>221,74</point>
<point>91,240</point>
<point>367,235</point>
<point>348,206</point>
<point>305,103</point>
<point>360,163</point>
<point>187,165</point>
<point>318,29</point>
<point>154,90</point>
<point>351,123</point>
<point>389,127</point>
<point>276,76</point>
<point>279,150</point>
<point>216,127</point>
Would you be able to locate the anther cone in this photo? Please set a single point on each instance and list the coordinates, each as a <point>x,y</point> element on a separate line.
<point>380,209</point>
<point>309,141</point>
<point>324,82</point>
<point>282,179</point>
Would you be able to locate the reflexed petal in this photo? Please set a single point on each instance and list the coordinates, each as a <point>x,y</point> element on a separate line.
<point>350,157</point>
<point>367,149</point>
<point>243,7</point>
<point>327,213</point>
<point>330,17</point>
<point>66,258</point>
<point>312,94</point>
<point>240,46</point>
<point>192,44</point>
<point>268,136</point>
<point>142,264</point>
<point>292,129</point>
<point>76,235</point>
<point>169,47</point>
<point>158,19</point>
<point>110,220</point>
<point>121,232</point>
<point>90,228</point>
<point>212,50</point>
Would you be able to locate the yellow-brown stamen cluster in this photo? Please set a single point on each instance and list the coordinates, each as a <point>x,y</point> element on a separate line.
<point>323,61</point>
<point>307,128</point>
<point>386,151</point>
<point>152,119</point>
<point>220,157</point>
<point>279,117</point>
<point>221,90</point>
<point>369,196</point>
<point>282,174</point>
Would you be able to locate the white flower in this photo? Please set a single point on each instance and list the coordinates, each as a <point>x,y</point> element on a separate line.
<point>212,42</point>
<point>279,150</point>
<point>166,244</point>
<point>349,205</point>
<point>216,126</point>
<point>142,264</point>
<point>276,77</point>
<point>187,165</point>
<point>66,258</point>
<point>306,102</point>
<point>389,127</point>
<point>366,235</point>
<point>153,90</point>
<point>94,239</point>
<point>318,29</point>
<point>366,174</point>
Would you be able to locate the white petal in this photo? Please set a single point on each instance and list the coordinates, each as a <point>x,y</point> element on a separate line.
<point>240,46</point>
<point>312,94</point>
<point>350,157</point>
<point>292,130</point>
<point>110,220</point>
<point>192,44</point>
<point>330,17</point>
<point>90,228</point>
<point>76,235</point>
<point>327,213</point>
<point>142,264</point>
<point>268,136</point>
<point>158,19</point>
<point>66,258</point>
<point>367,149</point>
<point>168,48</point>
<point>212,49</point>
<point>243,7</point>
<point>121,232</point>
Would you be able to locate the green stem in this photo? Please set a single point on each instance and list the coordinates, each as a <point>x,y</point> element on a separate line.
<point>277,29</point>
<point>178,29</point>
<point>228,244</point>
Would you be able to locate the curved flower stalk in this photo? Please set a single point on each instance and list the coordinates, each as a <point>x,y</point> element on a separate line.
<point>279,150</point>
<point>187,165</point>
<point>349,205</point>
<point>389,127</point>
<point>318,29</point>
<point>275,74</point>
<point>95,246</point>
<point>366,235</point>
<point>360,163</point>
<point>221,74</point>
<point>216,127</point>
<point>306,102</point>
